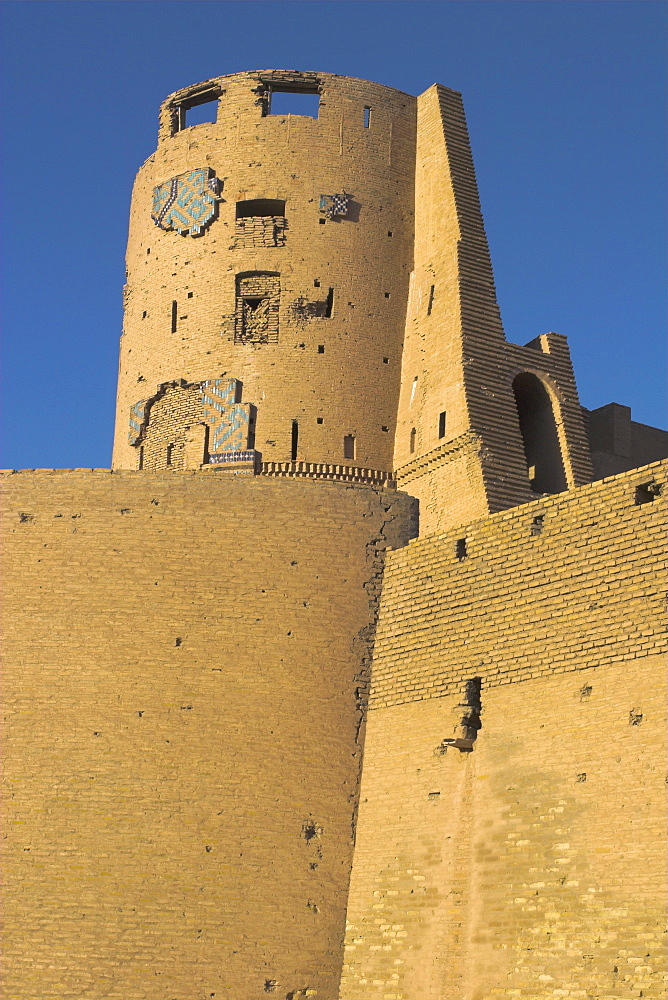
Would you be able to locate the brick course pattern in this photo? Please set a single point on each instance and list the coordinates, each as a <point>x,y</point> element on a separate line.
<point>533,865</point>
<point>293,159</point>
<point>310,321</point>
<point>186,665</point>
<point>456,360</point>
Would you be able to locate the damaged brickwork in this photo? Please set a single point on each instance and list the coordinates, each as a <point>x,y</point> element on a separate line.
<point>193,307</point>
<point>257,309</point>
<point>512,824</point>
<point>253,233</point>
<point>310,320</point>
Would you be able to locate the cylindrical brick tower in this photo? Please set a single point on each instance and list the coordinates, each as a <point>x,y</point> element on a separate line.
<point>267,274</point>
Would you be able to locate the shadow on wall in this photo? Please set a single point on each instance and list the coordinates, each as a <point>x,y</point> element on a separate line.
<point>539,434</point>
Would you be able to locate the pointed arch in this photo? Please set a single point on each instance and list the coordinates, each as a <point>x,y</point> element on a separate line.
<point>538,425</point>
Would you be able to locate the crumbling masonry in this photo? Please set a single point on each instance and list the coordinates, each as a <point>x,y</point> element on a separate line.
<point>267,733</point>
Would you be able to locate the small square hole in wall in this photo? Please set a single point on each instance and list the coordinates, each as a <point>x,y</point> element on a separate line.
<point>387,295</point>
<point>390,233</point>
<point>537,524</point>
<point>384,428</point>
<point>316,283</point>
<point>321,348</point>
<point>319,420</point>
<point>386,361</point>
<point>190,295</point>
<point>647,492</point>
<point>322,221</point>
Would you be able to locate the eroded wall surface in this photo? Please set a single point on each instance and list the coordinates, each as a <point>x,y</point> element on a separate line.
<point>307,310</point>
<point>532,865</point>
<point>185,664</point>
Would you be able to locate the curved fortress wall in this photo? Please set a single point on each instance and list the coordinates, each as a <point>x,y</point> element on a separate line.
<point>296,296</point>
<point>186,664</point>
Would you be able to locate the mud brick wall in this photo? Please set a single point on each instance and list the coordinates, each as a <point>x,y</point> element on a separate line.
<point>260,232</point>
<point>532,865</point>
<point>458,368</point>
<point>186,662</point>
<point>343,369</point>
<point>174,412</point>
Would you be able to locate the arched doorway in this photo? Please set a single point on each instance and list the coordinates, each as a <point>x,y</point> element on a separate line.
<point>545,464</point>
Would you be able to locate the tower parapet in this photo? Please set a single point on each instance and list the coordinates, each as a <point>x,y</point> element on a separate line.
<point>268,265</point>
<point>311,294</point>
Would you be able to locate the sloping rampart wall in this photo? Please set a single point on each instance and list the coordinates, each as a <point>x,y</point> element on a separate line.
<point>533,865</point>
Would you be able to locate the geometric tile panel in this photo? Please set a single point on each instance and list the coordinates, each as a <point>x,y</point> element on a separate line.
<point>334,205</point>
<point>137,421</point>
<point>227,419</point>
<point>187,202</point>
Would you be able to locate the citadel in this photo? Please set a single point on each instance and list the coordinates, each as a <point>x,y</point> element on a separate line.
<point>347,680</point>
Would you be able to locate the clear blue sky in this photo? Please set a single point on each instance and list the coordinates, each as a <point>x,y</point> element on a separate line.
<point>565,103</point>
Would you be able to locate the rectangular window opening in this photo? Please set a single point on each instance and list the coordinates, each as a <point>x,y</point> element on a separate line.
<point>386,361</point>
<point>140,463</point>
<point>175,308</point>
<point>430,304</point>
<point>321,348</point>
<point>461,549</point>
<point>170,453</point>
<point>295,440</point>
<point>387,295</point>
<point>329,304</point>
<point>319,420</point>
<point>257,308</point>
<point>349,446</point>
<point>302,101</point>
<point>367,117</point>
<point>441,424</point>
<point>260,208</point>
<point>198,110</point>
